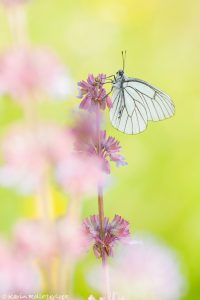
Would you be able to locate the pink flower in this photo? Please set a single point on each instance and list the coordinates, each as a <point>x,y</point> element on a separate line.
<point>116,230</point>
<point>28,154</point>
<point>93,93</point>
<point>80,174</point>
<point>87,142</point>
<point>18,274</point>
<point>25,72</point>
<point>146,270</point>
<point>44,241</point>
<point>151,269</point>
<point>71,240</point>
<point>83,131</point>
<point>109,150</point>
<point>25,275</point>
<point>36,240</point>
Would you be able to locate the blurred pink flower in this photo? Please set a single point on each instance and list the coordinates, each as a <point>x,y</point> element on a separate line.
<point>35,239</point>
<point>80,174</point>
<point>28,154</point>
<point>70,238</point>
<point>26,277</point>
<point>18,274</point>
<point>44,241</point>
<point>146,270</point>
<point>83,131</point>
<point>25,72</point>
<point>93,93</point>
<point>116,230</point>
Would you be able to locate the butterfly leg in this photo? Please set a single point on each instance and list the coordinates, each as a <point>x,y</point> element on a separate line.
<point>108,94</point>
<point>112,80</point>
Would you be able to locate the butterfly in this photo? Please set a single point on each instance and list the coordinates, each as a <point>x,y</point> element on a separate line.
<point>135,102</point>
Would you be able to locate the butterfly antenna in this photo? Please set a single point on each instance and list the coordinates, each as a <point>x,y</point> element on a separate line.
<point>123,58</point>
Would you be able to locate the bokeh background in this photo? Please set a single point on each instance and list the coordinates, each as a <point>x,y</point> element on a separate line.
<point>158,192</point>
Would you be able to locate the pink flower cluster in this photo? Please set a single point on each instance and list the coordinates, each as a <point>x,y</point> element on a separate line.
<point>150,268</point>
<point>29,154</point>
<point>80,175</point>
<point>116,230</point>
<point>109,149</point>
<point>25,72</point>
<point>93,93</point>
<point>18,274</point>
<point>87,141</point>
<point>44,241</point>
<point>38,243</point>
<point>143,269</point>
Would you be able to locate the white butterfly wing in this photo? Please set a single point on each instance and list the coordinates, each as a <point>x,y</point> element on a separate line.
<point>158,105</point>
<point>136,103</point>
<point>127,114</point>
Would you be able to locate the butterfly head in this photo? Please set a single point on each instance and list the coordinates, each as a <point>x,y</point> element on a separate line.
<point>120,73</point>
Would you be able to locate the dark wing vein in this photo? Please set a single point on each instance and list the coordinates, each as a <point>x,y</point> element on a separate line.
<point>134,100</point>
<point>164,99</point>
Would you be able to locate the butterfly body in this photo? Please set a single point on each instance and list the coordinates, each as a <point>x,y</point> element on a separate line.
<point>135,102</point>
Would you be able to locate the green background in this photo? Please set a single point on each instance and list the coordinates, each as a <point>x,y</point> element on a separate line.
<point>158,192</point>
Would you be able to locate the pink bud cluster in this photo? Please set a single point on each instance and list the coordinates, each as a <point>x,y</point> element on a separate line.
<point>116,230</point>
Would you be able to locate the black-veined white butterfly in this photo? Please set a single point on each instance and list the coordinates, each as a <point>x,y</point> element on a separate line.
<point>135,102</point>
